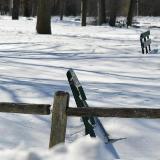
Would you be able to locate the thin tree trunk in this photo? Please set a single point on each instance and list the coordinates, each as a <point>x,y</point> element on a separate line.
<point>15,10</point>
<point>131,12</point>
<point>10,6</point>
<point>101,12</point>
<point>62,5</point>
<point>83,12</point>
<point>115,4</point>
<point>27,8</point>
<point>34,8</point>
<point>44,17</point>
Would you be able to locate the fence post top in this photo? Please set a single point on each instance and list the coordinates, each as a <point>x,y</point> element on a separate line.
<point>61,93</point>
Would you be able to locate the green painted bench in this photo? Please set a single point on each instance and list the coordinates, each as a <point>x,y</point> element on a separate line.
<point>80,99</point>
<point>145,42</point>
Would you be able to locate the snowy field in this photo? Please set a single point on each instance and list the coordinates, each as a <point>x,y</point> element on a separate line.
<point>112,70</point>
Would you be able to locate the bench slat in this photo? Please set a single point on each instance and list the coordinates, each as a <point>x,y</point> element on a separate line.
<point>147,43</point>
<point>72,78</point>
<point>145,34</point>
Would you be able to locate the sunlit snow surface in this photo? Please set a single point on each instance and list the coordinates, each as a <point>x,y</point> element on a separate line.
<point>111,68</point>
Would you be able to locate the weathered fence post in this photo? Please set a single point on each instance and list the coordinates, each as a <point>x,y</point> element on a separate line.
<point>59,118</point>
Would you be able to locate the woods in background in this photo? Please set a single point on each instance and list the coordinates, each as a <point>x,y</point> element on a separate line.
<point>103,11</point>
<point>73,7</point>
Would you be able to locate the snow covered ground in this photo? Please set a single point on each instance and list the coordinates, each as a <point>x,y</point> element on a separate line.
<point>112,70</point>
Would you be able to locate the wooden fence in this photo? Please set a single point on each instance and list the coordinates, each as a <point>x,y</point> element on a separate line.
<point>61,110</point>
<point>59,115</point>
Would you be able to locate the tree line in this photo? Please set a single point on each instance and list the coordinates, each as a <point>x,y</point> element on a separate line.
<point>104,11</point>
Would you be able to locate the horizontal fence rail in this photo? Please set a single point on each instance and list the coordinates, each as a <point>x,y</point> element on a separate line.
<point>114,112</point>
<point>61,110</point>
<point>25,108</point>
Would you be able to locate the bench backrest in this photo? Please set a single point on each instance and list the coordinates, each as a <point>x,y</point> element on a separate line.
<point>80,99</point>
<point>145,42</point>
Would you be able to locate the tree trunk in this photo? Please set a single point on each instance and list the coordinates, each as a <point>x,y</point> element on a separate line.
<point>10,6</point>
<point>83,12</point>
<point>15,10</point>
<point>61,10</point>
<point>101,12</point>
<point>27,8</point>
<point>44,17</point>
<point>34,8</point>
<point>115,4</point>
<point>131,12</point>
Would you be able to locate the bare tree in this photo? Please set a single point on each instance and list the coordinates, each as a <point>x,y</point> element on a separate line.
<point>62,5</point>
<point>10,4</point>
<point>34,8</point>
<point>101,12</point>
<point>44,17</point>
<point>83,12</point>
<point>131,12</point>
<point>114,7</point>
<point>27,8</point>
<point>15,10</point>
